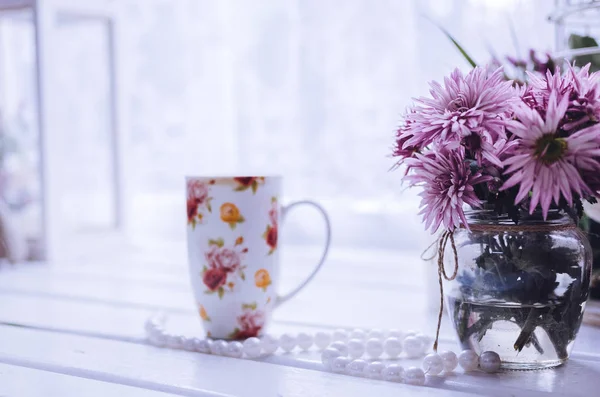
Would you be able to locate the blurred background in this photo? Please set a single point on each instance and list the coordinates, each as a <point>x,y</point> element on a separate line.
<point>106,105</point>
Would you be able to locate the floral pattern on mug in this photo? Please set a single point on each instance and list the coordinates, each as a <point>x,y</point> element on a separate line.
<point>262,279</point>
<point>231,215</point>
<point>250,322</point>
<point>271,233</point>
<point>203,313</point>
<point>197,197</point>
<point>248,182</point>
<point>224,267</point>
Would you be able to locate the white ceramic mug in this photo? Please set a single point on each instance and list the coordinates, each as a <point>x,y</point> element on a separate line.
<point>233,228</point>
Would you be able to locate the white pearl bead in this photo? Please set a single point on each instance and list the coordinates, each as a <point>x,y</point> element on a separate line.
<point>322,340</point>
<point>392,347</point>
<point>235,349</point>
<point>414,376</point>
<point>468,360</point>
<point>433,364</point>
<point>203,346</point>
<point>412,346</point>
<point>218,347</point>
<point>188,344</point>
<point>374,348</point>
<point>328,355</point>
<point>489,361</point>
<point>450,360</point>
<point>270,344</point>
<point>358,334</point>
<point>357,367</point>
<point>375,333</point>
<point>356,348</point>
<point>341,346</point>
<point>339,364</point>
<point>252,347</point>
<point>425,341</point>
<point>287,342</point>
<point>392,373</point>
<point>340,334</point>
<point>305,341</point>
<point>175,341</point>
<point>373,370</point>
<point>395,333</point>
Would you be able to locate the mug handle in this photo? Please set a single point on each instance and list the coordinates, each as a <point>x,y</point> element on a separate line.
<point>284,211</point>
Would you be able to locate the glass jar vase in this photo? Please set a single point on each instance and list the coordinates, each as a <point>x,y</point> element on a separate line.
<point>520,290</point>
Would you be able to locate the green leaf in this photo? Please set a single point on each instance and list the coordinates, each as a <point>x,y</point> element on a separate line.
<point>264,235</point>
<point>193,223</point>
<point>218,242</point>
<point>209,292</point>
<point>204,269</point>
<point>241,188</point>
<point>273,199</point>
<point>208,206</point>
<point>221,292</point>
<point>232,225</point>
<point>458,46</point>
<point>243,276</point>
<point>251,306</point>
<point>254,186</point>
<point>241,219</point>
<point>234,333</point>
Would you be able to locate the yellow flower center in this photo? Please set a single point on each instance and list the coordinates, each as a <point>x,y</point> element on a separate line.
<point>550,148</point>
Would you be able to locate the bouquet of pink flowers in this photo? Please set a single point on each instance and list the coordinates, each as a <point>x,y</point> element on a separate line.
<point>480,140</point>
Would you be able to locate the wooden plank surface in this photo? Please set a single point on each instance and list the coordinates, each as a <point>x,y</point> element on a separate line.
<point>101,309</point>
<point>18,381</point>
<point>181,372</point>
<point>340,304</point>
<point>125,324</point>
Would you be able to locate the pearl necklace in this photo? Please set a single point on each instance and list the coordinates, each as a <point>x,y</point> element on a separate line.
<point>341,351</point>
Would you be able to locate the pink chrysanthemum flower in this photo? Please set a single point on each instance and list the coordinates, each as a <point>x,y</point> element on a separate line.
<point>468,110</point>
<point>402,135</point>
<point>448,184</point>
<point>546,163</point>
<point>582,88</point>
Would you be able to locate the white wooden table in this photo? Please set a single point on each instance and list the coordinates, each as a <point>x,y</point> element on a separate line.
<point>76,329</point>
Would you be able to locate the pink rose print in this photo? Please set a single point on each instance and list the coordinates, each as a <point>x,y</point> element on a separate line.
<point>197,197</point>
<point>223,258</point>
<point>272,231</point>
<point>214,278</point>
<point>273,213</point>
<point>250,322</point>
<point>224,266</point>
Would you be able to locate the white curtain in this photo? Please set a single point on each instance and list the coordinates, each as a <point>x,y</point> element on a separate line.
<point>309,89</point>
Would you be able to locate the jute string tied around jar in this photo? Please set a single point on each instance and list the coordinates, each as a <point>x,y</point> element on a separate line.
<point>442,241</point>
